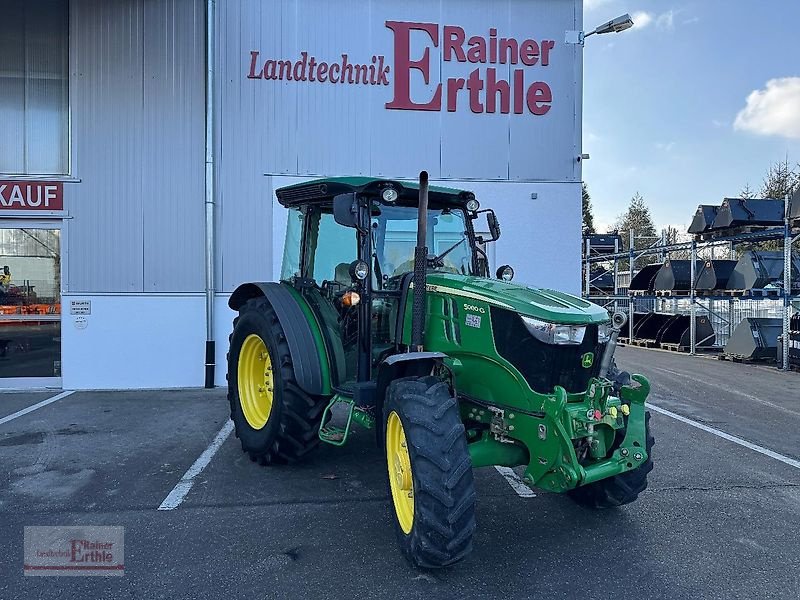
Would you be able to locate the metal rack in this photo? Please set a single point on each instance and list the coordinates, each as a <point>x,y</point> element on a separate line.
<point>785,233</point>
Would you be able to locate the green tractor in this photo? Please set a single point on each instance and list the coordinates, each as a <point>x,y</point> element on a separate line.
<point>386,311</point>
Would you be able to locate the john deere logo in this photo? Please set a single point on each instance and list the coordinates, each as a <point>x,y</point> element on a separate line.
<point>587,360</point>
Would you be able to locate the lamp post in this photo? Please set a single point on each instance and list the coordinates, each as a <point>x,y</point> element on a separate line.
<point>617,25</point>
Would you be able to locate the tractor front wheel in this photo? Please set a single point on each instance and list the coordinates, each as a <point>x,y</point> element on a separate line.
<point>275,420</point>
<point>429,472</point>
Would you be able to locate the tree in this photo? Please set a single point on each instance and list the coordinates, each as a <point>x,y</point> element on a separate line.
<point>747,192</point>
<point>588,217</point>
<point>638,218</point>
<point>781,179</point>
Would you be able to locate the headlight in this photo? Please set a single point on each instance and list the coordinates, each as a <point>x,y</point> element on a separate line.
<point>389,194</point>
<point>604,333</point>
<point>506,273</point>
<point>473,205</point>
<point>552,333</point>
<point>359,270</point>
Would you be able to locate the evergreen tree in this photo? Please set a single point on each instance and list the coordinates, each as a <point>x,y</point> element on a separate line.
<point>638,218</point>
<point>588,217</point>
<point>781,179</point>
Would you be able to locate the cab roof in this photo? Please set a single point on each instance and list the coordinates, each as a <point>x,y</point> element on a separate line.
<point>323,190</point>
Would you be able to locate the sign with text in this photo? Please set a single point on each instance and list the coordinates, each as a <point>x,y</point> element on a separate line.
<point>31,195</point>
<point>80,307</point>
<point>71,551</point>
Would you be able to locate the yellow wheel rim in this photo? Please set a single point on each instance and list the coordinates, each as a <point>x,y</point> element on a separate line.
<point>255,381</point>
<point>400,480</point>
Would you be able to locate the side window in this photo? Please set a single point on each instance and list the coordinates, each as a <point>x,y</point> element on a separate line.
<point>291,247</point>
<point>334,250</point>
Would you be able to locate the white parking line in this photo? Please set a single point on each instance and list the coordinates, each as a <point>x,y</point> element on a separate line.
<point>178,493</point>
<point>36,406</point>
<point>522,490</point>
<point>731,438</point>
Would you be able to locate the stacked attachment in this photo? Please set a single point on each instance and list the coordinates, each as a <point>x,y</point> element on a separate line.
<point>757,270</point>
<point>755,338</point>
<point>675,276</point>
<point>737,215</point>
<point>603,243</point>
<point>703,218</point>
<point>643,282</point>
<point>714,275</point>
<point>794,341</point>
<point>671,332</point>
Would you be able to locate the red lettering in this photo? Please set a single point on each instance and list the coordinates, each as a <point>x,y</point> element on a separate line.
<point>299,72</point>
<point>509,51</point>
<point>492,87</point>
<point>453,85</point>
<point>32,195</point>
<point>322,72</point>
<point>361,74</point>
<point>311,68</point>
<point>539,98</point>
<point>519,82</point>
<point>285,70</point>
<point>331,75</point>
<point>347,69</point>
<point>404,64</point>
<point>453,42</point>
<point>252,73</point>
<point>529,52</point>
<point>492,45</point>
<point>547,45</point>
<point>477,49</point>
<point>270,69</point>
<point>475,85</point>
<point>383,72</point>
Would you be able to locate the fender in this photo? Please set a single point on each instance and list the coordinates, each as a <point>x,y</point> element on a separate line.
<point>407,364</point>
<point>304,347</point>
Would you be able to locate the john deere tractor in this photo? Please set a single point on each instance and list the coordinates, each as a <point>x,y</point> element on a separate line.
<point>386,316</point>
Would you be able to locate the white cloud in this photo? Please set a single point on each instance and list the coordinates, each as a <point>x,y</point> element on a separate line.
<point>641,19</point>
<point>666,20</point>
<point>589,5</point>
<point>665,146</point>
<point>774,110</point>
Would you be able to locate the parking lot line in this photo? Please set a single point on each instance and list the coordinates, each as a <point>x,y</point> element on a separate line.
<point>36,406</point>
<point>731,438</point>
<point>522,490</point>
<point>178,493</point>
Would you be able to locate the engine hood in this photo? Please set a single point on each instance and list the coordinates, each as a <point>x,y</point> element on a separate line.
<point>545,304</point>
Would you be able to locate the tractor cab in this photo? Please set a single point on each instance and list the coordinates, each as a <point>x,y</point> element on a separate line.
<point>350,246</point>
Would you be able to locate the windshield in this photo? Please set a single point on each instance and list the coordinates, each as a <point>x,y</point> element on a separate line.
<point>394,231</point>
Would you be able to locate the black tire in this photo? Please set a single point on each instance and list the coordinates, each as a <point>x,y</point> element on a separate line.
<point>620,489</point>
<point>292,429</point>
<point>441,470</point>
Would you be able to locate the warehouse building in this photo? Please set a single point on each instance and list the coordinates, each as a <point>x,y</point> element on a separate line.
<point>126,222</point>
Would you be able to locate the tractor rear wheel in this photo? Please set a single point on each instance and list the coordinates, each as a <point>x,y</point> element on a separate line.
<point>275,420</point>
<point>429,472</point>
<point>620,489</point>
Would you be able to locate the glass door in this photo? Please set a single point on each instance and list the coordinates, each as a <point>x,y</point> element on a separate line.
<point>30,306</point>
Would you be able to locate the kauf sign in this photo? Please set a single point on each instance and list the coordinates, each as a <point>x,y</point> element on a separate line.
<point>31,195</point>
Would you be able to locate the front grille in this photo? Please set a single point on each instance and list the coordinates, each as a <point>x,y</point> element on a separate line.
<point>545,366</point>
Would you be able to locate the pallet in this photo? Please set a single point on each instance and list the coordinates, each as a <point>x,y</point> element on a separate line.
<point>638,293</point>
<point>680,348</point>
<point>731,231</point>
<point>757,293</point>
<point>741,359</point>
<point>643,343</point>
<point>673,293</point>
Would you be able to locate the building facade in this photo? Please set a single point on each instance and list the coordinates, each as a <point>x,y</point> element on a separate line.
<point>103,112</point>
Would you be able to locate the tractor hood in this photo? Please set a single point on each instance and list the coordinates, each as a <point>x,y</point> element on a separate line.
<point>548,305</point>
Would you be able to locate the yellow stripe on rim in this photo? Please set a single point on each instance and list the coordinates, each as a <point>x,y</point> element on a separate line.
<point>398,463</point>
<point>255,381</point>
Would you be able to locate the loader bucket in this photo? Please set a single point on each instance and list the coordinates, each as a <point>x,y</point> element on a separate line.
<point>650,326</point>
<point>757,269</point>
<point>703,218</point>
<point>738,212</point>
<point>714,274</point>
<point>643,280</point>
<point>678,331</point>
<point>675,275</point>
<point>755,338</point>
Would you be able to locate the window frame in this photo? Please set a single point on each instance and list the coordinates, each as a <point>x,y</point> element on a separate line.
<point>67,175</point>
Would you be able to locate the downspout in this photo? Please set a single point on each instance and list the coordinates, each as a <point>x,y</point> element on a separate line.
<point>210,363</point>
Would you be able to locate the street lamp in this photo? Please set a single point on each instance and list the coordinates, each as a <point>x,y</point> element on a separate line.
<point>617,25</point>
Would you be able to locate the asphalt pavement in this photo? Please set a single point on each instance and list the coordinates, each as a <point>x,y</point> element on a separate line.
<point>719,520</point>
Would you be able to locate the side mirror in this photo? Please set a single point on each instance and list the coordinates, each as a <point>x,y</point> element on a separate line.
<point>345,210</point>
<point>494,225</point>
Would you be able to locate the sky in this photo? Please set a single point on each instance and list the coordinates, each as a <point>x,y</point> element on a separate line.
<point>696,100</point>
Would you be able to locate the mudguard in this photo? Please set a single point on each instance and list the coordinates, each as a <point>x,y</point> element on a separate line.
<point>306,360</point>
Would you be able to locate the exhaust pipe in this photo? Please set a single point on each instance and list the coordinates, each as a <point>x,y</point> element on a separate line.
<point>618,320</point>
<point>420,267</point>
